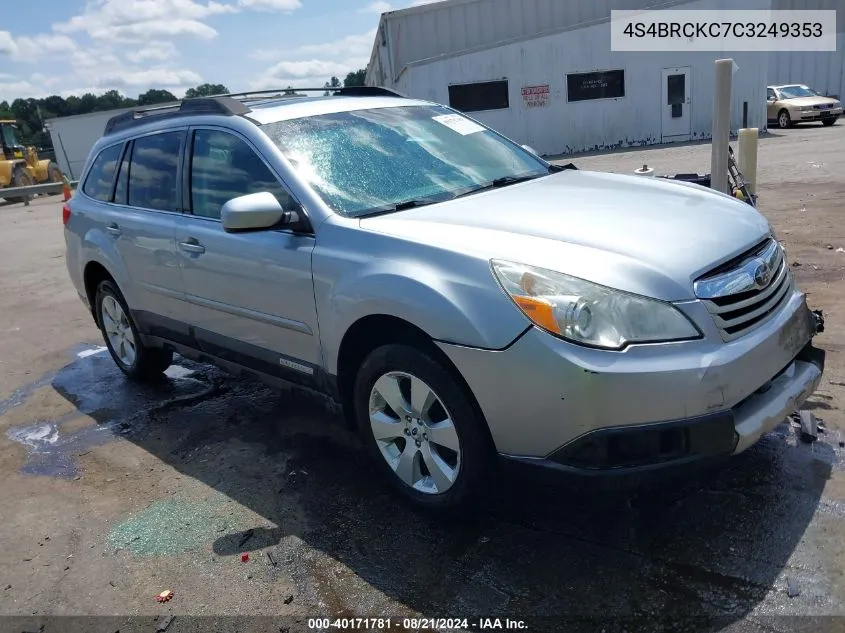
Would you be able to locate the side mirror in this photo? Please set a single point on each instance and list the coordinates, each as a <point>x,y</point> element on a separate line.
<point>530,149</point>
<point>255,211</point>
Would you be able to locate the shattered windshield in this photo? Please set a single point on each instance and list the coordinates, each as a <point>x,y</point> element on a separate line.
<point>384,158</point>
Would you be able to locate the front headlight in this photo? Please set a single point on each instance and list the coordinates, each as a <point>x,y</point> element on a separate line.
<point>805,108</point>
<point>590,314</point>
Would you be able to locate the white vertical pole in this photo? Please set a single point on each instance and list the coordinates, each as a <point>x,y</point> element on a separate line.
<point>721,135</point>
<point>747,157</point>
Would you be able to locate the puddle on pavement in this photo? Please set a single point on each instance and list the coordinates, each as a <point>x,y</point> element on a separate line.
<point>96,388</point>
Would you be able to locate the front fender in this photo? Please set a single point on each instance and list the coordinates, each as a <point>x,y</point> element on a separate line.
<point>455,304</point>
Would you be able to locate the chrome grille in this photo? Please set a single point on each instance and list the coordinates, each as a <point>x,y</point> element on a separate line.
<point>743,293</point>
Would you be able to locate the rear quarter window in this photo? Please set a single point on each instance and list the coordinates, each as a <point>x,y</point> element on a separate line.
<point>98,183</point>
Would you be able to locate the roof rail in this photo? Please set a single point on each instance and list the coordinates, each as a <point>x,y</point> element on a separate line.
<point>202,105</point>
<point>232,104</point>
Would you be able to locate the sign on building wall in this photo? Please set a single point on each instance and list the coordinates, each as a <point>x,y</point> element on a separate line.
<point>604,84</point>
<point>536,96</point>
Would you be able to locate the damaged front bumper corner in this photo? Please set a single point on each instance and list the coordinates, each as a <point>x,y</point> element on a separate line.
<point>783,396</point>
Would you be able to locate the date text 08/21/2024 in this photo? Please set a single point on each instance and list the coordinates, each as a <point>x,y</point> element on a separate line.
<point>415,624</point>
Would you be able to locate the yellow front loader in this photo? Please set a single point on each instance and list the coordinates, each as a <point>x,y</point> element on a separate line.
<point>20,166</point>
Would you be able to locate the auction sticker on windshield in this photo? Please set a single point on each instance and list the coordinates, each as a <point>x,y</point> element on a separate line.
<point>458,123</point>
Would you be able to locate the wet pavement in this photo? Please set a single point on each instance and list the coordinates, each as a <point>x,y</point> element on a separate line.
<point>718,546</point>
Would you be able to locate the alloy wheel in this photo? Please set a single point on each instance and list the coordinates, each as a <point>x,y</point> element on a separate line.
<point>118,331</point>
<point>414,432</point>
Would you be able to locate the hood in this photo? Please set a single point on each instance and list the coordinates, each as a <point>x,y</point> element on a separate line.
<point>809,101</point>
<point>644,235</point>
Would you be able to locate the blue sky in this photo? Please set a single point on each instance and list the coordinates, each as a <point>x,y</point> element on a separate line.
<point>73,46</point>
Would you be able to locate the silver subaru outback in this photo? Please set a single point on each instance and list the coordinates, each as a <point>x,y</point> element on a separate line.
<point>466,301</point>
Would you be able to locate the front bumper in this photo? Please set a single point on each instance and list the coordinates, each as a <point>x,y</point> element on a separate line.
<point>548,402</point>
<point>818,115</point>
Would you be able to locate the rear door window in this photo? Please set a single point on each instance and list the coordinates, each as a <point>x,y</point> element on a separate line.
<point>154,171</point>
<point>100,180</point>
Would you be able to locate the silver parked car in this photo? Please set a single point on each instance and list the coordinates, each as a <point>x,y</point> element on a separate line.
<point>463,298</point>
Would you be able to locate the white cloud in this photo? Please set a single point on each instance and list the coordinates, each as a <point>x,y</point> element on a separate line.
<point>311,73</point>
<point>312,65</point>
<point>351,44</point>
<point>37,47</point>
<point>109,19</point>
<point>154,29</point>
<point>40,79</point>
<point>358,45</point>
<point>265,54</point>
<point>7,44</point>
<point>11,90</point>
<point>154,51</point>
<point>379,6</point>
<point>271,5</point>
<point>141,20</point>
<point>133,78</point>
<point>312,68</point>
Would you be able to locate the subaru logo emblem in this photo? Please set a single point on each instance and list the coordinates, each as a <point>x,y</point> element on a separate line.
<point>762,275</point>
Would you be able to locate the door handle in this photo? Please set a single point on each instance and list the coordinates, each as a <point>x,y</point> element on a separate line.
<point>192,246</point>
<point>113,228</point>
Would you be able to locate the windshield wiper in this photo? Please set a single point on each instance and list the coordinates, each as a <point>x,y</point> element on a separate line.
<point>496,183</point>
<point>399,206</point>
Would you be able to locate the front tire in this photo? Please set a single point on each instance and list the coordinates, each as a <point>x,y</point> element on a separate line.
<point>20,178</point>
<point>828,122</point>
<point>422,429</point>
<point>137,361</point>
<point>784,120</point>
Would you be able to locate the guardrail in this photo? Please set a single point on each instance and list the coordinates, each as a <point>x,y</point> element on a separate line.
<point>26,193</point>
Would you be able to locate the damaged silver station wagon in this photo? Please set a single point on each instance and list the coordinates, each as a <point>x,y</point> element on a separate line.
<point>464,299</point>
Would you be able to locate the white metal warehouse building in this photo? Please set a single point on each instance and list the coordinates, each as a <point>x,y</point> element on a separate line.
<point>822,71</point>
<point>542,72</point>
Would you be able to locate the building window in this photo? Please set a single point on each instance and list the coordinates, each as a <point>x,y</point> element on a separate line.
<point>483,95</point>
<point>602,84</point>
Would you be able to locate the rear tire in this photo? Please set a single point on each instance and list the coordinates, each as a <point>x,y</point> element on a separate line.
<point>433,447</point>
<point>133,358</point>
<point>54,173</point>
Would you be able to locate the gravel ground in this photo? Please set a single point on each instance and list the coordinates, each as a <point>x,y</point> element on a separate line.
<point>112,493</point>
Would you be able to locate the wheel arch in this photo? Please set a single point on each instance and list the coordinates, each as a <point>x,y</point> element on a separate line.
<point>93,275</point>
<point>375,330</point>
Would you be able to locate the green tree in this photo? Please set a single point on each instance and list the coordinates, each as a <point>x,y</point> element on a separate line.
<point>356,78</point>
<point>88,102</point>
<point>153,96</point>
<point>334,82</point>
<point>112,100</point>
<point>206,90</point>
<point>54,106</point>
